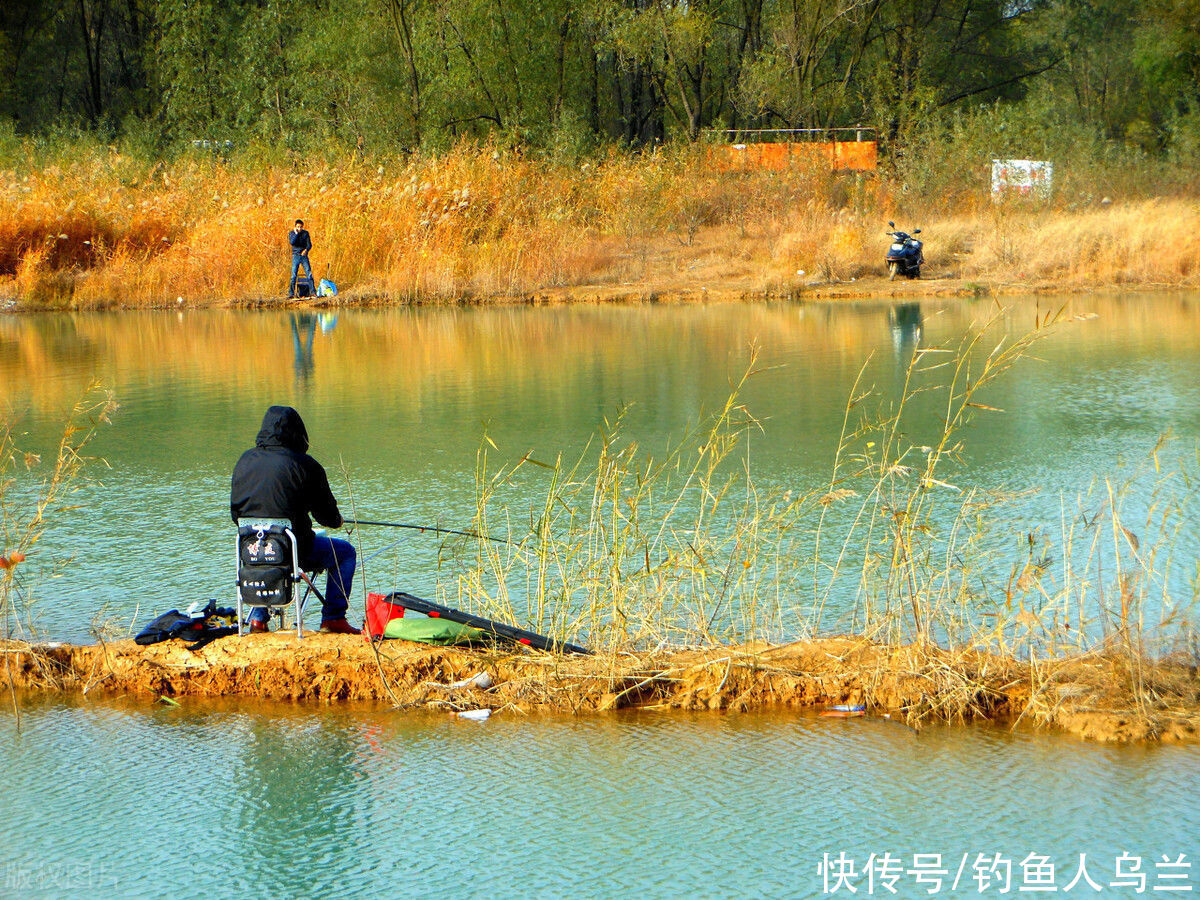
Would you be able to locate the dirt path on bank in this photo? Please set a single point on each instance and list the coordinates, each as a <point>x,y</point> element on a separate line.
<point>1086,696</point>
<point>748,290</point>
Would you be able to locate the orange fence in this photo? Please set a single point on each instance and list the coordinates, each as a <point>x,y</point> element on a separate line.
<point>853,156</point>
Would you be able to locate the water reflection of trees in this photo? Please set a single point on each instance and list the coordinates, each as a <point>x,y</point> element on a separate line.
<point>412,351</point>
<point>42,349</point>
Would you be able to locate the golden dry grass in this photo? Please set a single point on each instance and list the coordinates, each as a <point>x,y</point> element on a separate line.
<point>469,224</point>
<point>1152,242</point>
<point>477,224</point>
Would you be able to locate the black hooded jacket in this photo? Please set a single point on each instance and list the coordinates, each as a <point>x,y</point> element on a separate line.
<point>278,479</point>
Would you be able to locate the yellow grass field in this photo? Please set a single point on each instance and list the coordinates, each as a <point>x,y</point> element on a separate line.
<point>480,225</point>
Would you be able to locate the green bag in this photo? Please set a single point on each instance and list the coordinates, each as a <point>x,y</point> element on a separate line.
<point>431,631</point>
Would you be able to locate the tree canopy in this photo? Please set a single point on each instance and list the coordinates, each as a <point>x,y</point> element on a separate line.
<point>403,74</point>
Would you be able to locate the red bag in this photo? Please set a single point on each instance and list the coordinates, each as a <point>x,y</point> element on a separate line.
<point>379,613</point>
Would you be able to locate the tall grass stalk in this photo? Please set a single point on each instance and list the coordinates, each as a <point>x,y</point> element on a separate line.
<point>633,553</point>
<point>32,494</point>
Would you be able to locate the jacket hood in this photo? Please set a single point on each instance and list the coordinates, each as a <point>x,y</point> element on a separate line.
<point>283,427</point>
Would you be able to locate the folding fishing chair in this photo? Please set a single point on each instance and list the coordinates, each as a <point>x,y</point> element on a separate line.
<point>268,570</point>
<point>304,286</point>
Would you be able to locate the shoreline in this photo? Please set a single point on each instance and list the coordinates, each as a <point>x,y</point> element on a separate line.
<point>869,287</point>
<point>1083,696</point>
<point>634,294</point>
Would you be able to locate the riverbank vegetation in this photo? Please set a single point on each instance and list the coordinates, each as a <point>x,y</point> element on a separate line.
<point>899,582</point>
<point>92,227</point>
<point>33,494</point>
<point>508,150</point>
<point>941,583</point>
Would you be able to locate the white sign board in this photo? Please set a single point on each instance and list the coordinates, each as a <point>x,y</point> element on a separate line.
<point>1022,177</point>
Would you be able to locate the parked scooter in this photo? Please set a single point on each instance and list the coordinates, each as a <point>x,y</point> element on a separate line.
<point>904,257</point>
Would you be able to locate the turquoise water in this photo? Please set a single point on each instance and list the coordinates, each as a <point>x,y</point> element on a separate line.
<point>128,799</point>
<point>398,404</point>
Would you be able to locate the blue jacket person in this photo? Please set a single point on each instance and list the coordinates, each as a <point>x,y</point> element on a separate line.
<point>301,243</point>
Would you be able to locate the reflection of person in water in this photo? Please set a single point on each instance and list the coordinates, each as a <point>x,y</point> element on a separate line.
<point>296,774</point>
<point>304,330</point>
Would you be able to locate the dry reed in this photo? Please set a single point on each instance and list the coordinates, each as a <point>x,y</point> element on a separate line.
<point>98,228</point>
<point>639,554</point>
<point>32,494</point>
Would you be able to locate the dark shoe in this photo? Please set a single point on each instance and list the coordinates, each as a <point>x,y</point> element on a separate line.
<point>257,627</point>
<point>338,626</point>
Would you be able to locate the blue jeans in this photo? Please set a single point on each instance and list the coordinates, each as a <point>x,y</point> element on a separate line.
<point>298,260</point>
<point>338,558</point>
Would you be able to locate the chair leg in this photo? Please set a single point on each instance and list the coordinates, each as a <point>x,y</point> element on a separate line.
<point>309,588</point>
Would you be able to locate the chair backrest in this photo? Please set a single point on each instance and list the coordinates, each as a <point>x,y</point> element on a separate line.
<point>268,564</point>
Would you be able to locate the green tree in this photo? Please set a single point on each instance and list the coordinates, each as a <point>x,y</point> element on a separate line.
<point>806,72</point>
<point>73,61</point>
<point>1095,81</point>
<point>930,55</point>
<point>1167,56</point>
<point>198,39</point>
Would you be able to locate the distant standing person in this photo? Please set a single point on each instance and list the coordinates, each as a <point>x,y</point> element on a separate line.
<point>301,243</point>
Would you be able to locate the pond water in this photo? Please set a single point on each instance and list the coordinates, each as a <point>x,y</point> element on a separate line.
<point>126,798</point>
<point>397,404</point>
<point>123,798</point>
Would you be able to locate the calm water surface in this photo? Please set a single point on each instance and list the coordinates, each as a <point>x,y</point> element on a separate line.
<point>215,800</point>
<point>127,799</point>
<point>397,404</point>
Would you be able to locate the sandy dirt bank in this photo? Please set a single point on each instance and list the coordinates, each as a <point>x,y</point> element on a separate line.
<point>1093,697</point>
<point>684,291</point>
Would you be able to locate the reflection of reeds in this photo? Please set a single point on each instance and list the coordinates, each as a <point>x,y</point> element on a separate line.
<point>634,554</point>
<point>39,353</point>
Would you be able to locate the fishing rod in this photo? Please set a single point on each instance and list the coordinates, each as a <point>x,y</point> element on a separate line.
<point>474,534</point>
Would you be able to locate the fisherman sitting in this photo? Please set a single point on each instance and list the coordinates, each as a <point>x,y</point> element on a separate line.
<point>278,479</point>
